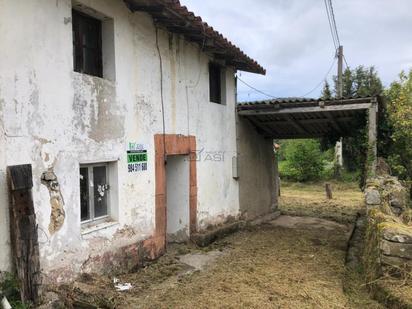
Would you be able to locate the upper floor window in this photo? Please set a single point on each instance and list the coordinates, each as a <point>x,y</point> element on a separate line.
<point>217,83</point>
<point>87,44</point>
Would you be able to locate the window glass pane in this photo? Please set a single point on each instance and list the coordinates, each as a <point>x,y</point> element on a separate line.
<point>87,50</point>
<point>100,191</point>
<point>84,194</point>
<point>214,83</point>
<point>90,34</point>
<point>91,62</point>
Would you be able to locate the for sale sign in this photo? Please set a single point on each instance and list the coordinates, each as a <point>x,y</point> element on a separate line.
<point>136,157</point>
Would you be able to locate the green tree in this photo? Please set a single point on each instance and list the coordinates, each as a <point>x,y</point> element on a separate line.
<point>361,81</point>
<point>326,92</point>
<point>399,113</point>
<point>303,160</point>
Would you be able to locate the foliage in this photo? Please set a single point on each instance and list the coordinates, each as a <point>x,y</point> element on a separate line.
<point>326,92</point>
<point>10,288</point>
<point>399,113</point>
<point>303,160</point>
<point>361,81</point>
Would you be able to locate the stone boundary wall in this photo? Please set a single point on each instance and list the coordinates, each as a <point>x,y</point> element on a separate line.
<point>388,239</point>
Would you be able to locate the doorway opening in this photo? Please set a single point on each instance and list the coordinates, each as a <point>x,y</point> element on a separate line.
<point>177,198</point>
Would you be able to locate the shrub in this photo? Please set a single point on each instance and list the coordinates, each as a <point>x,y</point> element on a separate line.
<point>10,288</point>
<point>303,160</point>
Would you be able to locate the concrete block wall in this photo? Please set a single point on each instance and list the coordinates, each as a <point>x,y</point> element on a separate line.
<point>257,171</point>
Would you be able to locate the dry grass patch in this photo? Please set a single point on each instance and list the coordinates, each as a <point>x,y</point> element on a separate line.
<point>263,267</point>
<point>309,199</point>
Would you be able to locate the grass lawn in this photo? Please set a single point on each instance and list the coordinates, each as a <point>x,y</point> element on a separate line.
<point>309,199</point>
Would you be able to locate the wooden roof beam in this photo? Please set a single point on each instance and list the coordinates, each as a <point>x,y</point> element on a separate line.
<point>308,109</point>
<point>296,124</point>
<point>308,121</point>
<point>258,126</point>
<point>334,123</point>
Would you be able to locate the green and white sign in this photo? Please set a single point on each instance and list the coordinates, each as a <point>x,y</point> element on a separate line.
<point>136,157</point>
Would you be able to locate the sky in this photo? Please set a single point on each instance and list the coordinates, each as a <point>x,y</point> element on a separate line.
<point>292,41</point>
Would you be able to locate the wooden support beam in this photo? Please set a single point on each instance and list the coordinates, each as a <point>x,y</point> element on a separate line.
<point>334,123</point>
<point>257,125</point>
<point>309,109</point>
<point>23,231</point>
<point>296,124</point>
<point>308,121</point>
<point>185,31</point>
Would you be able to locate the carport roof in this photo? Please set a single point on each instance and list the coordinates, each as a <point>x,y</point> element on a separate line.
<point>305,118</point>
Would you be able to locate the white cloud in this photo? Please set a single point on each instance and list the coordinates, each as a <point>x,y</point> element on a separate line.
<point>291,38</point>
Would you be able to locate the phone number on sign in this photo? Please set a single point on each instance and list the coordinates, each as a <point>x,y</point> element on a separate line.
<point>136,167</point>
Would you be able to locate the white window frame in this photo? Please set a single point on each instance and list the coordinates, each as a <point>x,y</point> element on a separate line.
<point>93,220</point>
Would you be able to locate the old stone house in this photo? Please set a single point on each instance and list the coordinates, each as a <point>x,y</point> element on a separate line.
<point>125,111</point>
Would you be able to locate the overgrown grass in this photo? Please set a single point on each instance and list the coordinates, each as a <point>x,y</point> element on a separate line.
<point>10,288</point>
<point>309,199</point>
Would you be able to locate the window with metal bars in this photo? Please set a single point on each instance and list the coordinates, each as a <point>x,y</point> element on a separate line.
<point>87,44</point>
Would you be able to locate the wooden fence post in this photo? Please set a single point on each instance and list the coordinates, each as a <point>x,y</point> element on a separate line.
<point>328,190</point>
<point>23,231</point>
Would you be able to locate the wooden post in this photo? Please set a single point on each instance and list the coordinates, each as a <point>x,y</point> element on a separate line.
<point>328,190</point>
<point>23,231</point>
<point>278,178</point>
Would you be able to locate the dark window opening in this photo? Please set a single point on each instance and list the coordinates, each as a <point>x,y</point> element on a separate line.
<point>84,194</point>
<point>94,190</point>
<point>215,83</point>
<point>87,44</point>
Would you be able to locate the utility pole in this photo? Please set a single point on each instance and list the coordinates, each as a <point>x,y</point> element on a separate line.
<point>340,72</point>
<point>339,144</point>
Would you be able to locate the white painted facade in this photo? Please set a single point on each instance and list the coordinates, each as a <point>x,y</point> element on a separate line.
<point>54,118</point>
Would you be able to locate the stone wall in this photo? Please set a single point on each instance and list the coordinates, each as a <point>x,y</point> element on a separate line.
<point>388,243</point>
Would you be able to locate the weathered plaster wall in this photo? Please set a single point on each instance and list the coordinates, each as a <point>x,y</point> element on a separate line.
<point>56,119</point>
<point>5,263</point>
<point>257,171</point>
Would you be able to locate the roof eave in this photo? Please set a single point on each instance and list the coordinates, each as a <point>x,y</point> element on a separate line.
<point>174,17</point>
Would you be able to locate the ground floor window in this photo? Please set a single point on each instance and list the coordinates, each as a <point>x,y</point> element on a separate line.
<point>94,192</point>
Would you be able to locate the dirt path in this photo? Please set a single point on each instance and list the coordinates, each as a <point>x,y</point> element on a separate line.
<point>288,263</point>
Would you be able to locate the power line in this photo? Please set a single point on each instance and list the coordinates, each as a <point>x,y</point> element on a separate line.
<point>333,27</point>
<point>344,58</point>
<point>336,42</point>
<point>326,76</point>
<point>304,95</point>
<point>334,22</point>
<point>332,32</point>
<point>257,90</point>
